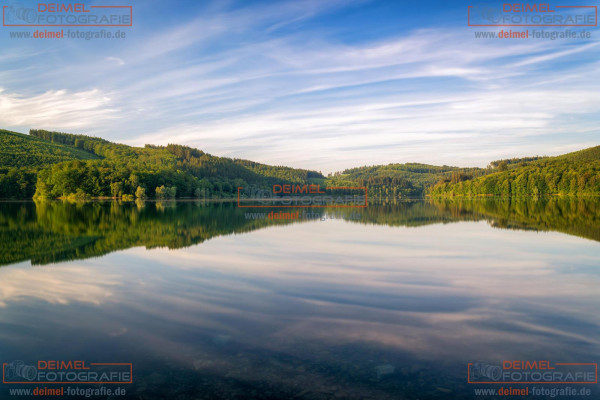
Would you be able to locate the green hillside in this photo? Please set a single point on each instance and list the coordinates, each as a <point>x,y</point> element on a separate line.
<point>573,174</point>
<point>22,156</point>
<point>399,180</point>
<point>49,164</point>
<point>19,150</point>
<point>54,164</point>
<point>153,171</point>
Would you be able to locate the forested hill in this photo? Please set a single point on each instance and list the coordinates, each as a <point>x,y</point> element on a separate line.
<point>576,174</point>
<point>400,180</point>
<point>52,164</point>
<point>22,156</point>
<point>19,150</point>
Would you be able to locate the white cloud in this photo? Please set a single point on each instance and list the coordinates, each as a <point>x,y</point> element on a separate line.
<point>116,60</point>
<point>57,108</point>
<point>239,82</point>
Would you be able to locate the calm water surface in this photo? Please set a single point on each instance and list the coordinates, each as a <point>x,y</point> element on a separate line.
<point>391,302</point>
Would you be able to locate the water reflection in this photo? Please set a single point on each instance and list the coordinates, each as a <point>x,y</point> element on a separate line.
<point>49,232</point>
<point>372,308</point>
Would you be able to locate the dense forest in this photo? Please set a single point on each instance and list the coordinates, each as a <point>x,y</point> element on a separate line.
<point>61,165</point>
<point>48,165</point>
<point>573,174</point>
<point>21,158</point>
<point>408,180</point>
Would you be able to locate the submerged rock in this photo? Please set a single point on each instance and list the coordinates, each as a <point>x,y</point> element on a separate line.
<point>384,369</point>
<point>202,363</point>
<point>221,339</point>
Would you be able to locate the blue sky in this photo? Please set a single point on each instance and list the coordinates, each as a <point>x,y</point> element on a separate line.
<point>325,85</point>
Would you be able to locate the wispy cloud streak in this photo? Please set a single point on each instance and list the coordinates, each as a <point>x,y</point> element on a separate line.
<point>277,84</point>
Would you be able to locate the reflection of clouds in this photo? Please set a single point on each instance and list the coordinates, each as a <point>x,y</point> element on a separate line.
<point>444,290</point>
<point>458,258</point>
<point>56,285</point>
<point>433,290</point>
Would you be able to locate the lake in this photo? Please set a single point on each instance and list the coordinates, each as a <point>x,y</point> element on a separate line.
<point>206,300</point>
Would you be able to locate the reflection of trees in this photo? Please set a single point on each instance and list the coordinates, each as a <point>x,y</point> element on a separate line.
<point>574,216</point>
<point>49,232</point>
